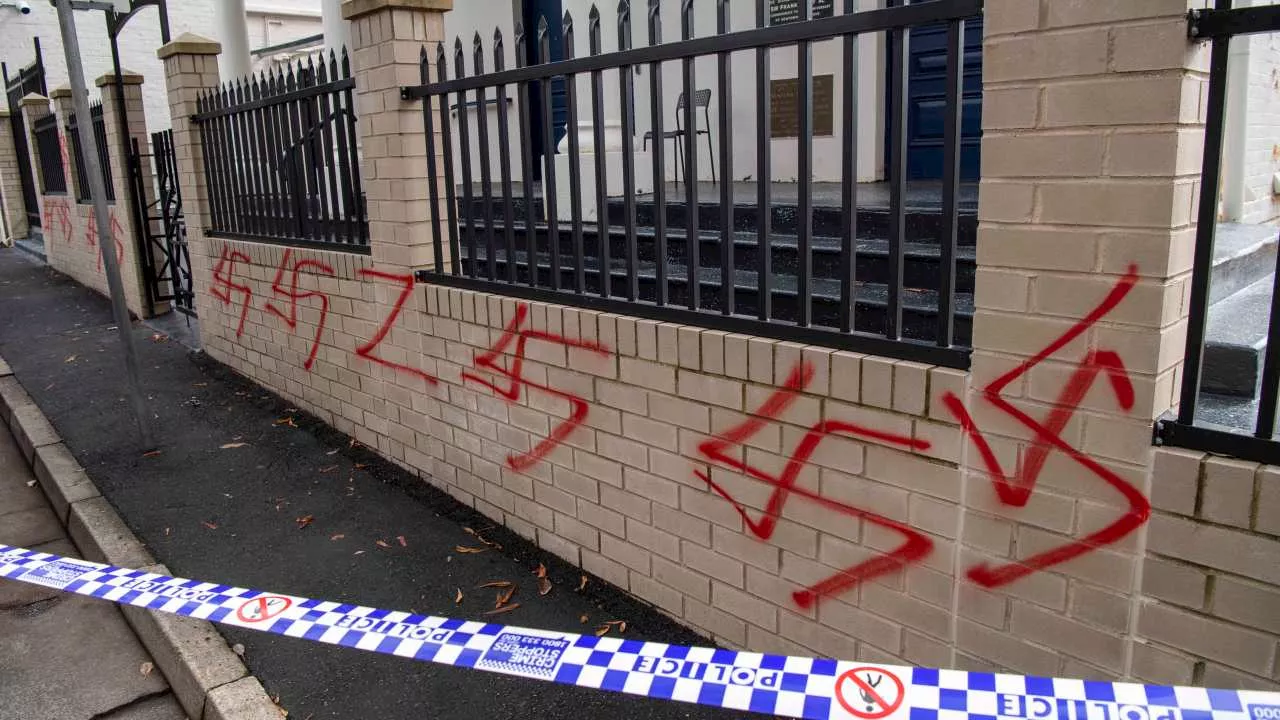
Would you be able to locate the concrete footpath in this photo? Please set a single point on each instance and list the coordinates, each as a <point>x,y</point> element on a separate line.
<point>64,656</point>
<point>248,491</point>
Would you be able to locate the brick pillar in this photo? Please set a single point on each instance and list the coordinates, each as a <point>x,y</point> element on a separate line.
<point>15,211</point>
<point>62,107</point>
<point>33,107</point>
<point>131,269</point>
<point>190,69</point>
<point>387,39</point>
<point>1090,151</point>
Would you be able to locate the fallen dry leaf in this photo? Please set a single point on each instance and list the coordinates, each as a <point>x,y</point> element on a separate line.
<point>332,452</point>
<point>166,532</point>
<point>331,468</point>
<point>360,466</point>
<point>286,421</point>
<point>496,584</point>
<point>622,626</point>
<point>602,630</point>
<point>544,586</point>
<point>231,446</point>
<point>381,543</point>
<point>358,552</point>
<point>468,530</point>
<point>582,585</point>
<point>146,668</point>
<point>153,453</point>
<point>541,571</point>
<point>582,619</point>
<point>304,521</point>
<point>158,338</point>
<point>211,526</point>
<point>505,598</point>
<point>468,550</point>
<point>339,536</point>
<point>31,483</point>
<point>70,359</point>
<point>503,609</point>
<point>403,542</point>
<point>238,649</point>
<point>458,600</point>
<point>291,410</point>
<point>204,384</point>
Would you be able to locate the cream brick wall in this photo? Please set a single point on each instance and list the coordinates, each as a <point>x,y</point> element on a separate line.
<point>15,213</point>
<point>71,235</point>
<point>1211,614</point>
<point>605,452</point>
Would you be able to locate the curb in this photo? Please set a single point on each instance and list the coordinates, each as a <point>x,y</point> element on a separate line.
<point>208,679</point>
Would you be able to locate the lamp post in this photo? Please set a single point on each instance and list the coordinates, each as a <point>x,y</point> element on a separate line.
<point>97,187</point>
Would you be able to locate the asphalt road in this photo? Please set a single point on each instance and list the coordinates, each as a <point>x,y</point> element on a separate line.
<point>232,516</point>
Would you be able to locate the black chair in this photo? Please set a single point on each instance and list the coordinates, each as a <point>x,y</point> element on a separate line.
<point>701,101</point>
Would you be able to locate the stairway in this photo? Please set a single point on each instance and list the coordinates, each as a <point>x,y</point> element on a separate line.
<point>1236,328</point>
<point>871,269</point>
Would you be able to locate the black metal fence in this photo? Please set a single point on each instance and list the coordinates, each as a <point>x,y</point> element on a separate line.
<point>49,154</point>
<point>725,271</point>
<point>104,159</point>
<point>1188,428</point>
<point>30,79</point>
<point>280,157</point>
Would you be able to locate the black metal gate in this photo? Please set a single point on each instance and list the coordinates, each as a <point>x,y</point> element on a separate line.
<point>29,79</point>
<point>166,261</point>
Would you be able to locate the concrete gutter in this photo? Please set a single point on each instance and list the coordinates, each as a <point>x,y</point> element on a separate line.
<point>209,680</point>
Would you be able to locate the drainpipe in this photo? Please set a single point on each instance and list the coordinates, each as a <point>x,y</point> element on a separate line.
<point>1237,126</point>
<point>233,33</point>
<point>336,33</point>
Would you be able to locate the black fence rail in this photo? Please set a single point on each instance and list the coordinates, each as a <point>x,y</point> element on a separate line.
<point>1189,428</point>
<point>281,160</point>
<point>49,154</point>
<point>83,193</point>
<point>686,266</point>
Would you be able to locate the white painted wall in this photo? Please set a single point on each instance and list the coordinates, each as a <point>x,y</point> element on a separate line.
<point>1261,129</point>
<point>484,15</point>
<point>138,42</point>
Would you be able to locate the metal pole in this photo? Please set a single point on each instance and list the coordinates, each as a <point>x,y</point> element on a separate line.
<point>107,241</point>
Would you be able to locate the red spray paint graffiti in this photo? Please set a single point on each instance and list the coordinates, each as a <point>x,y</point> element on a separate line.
<point>1017,490</point>
<point>515,331</point>
<point>293,295</point>
<point>59,210</point>
<point>366,350</point>
<point>915,546</point>
<point>91,238</point>
<point>224,277</point>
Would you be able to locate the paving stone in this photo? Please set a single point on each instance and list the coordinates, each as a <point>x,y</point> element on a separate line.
<point>18,594</point>
<point>164,707</point>
<point>243,699</point>
<point>71,658</point>
<point>30,527</point>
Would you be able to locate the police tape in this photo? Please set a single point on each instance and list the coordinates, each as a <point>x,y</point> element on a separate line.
<point>792,686</point>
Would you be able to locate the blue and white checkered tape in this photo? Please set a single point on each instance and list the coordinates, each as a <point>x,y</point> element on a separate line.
<point>791,686</point>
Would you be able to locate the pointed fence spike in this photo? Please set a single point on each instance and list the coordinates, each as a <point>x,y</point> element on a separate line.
<point>542,26</point>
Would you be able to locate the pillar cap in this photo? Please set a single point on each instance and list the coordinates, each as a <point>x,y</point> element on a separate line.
<point>352,9</point>
<point>36,100</point>
<point>129,77</point>
<point>189,44</point>
<point>62,91</point>
<point>4,113</point>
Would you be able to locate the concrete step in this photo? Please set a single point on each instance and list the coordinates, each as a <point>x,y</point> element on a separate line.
<point>1235,339</point>
<point>1242,255</point>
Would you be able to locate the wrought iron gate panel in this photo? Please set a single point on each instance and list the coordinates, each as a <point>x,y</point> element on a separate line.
<point>166,260</point>
<point>29,79</point>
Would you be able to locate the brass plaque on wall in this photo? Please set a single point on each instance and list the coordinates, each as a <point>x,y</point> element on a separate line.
<point>782,12</point>
<point>784,106</point>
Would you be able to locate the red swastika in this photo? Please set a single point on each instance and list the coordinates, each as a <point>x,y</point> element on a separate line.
<point>366,350</point>
<point>489,360</point>
<point>223,277</point>
<point>915,546</point>
<point>1018,489</point>
<point>293,295</point>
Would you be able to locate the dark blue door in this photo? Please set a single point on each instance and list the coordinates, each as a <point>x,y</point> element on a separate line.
<point>926,100</point>
<point>534,11</point>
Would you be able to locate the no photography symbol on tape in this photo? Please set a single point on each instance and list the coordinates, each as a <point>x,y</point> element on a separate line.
<point>263,608</point>
<point>877,692</point>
